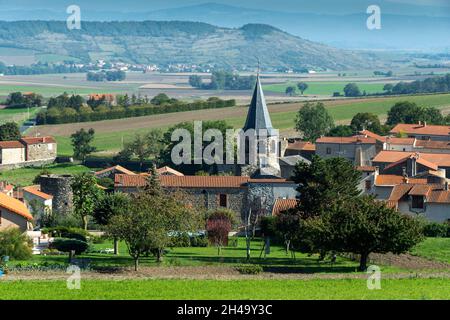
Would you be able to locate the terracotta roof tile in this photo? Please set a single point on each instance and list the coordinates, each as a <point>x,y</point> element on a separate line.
<point>431,144</point>
<point>168,170</point>
<point>36,190</point>
<point>283,205</point>
<point>420,190</point>
<point>302,145</point>
<point>366,168</point>
<point>392,179</point>
<point>37,140</point>
<point>439,159</point>
<point>400,141</point>
<point>371,134</point>
<point>421,129</point>
<point>11,145</point>
<point>117,168</point>
<point>15,206</point>
<point>346,140</point>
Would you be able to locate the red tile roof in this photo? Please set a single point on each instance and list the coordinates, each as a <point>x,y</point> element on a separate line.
<point>366,168</point>
<point>302,145</point>
<point>439,159</point>
<point>347,140</point>
<point>392,180</point>
<point>431,144</point>
<point>14,206</point>
<point>36,190</point>
<point>168,171</point>
<point>283,205</point>
<point>420,190</point>
<point>123,180</point>
<point>400,141</point>
<point>371,134</point>
<point>37,140</point>
<point>115,169</point>
<point>421,129</point>
<point>433,193</point>
<point>11,145</point>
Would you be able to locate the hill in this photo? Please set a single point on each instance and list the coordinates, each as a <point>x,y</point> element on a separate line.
<point>169,42</point>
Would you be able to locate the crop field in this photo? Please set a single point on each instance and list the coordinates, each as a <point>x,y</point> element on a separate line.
<point>326,88</point>
<point>111,133</point>
<point>16,115</point>
<point>228,289</point>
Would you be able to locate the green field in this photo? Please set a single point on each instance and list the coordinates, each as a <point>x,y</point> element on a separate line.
<point>25,176</point>
<point>16,115</point>
<point>326,88</point>
<point>112,142</point>
<point>48,91</point>
<point>434,249</point>
<point>228,289</point>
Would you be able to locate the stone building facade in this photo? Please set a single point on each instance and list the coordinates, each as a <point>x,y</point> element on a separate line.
<point>58,186</point>
<point>39,148</point>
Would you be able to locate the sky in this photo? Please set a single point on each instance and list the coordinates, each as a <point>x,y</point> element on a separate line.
<point>427,7</point>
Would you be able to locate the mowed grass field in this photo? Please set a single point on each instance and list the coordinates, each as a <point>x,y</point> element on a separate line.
<point>434,249</point>
<point>110,135</point>
<point>228,289</point>
<point>25,176</point>
<point>17,115</point>
<point>326,88</point>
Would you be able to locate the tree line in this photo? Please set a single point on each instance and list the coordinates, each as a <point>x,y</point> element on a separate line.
<point>116,75</point>
<point>314,121</point>
<point>69,109</point>
<point>223,80</point>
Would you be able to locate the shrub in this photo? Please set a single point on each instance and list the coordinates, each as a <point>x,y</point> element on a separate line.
<point>436,230</point>
<point>15,244</point>
<point>67,232</point>
<point>199,241</point>
<point>249,268</point>
<point>67,245</point>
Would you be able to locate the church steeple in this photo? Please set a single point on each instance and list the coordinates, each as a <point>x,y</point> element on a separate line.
<point>258,115</point>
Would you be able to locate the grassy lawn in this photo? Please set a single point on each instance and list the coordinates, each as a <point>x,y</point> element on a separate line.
<point>434,249</point>
<point>229,289</point>
<point>25,176</point>
<point>326,88</point>
<point>16,115</point>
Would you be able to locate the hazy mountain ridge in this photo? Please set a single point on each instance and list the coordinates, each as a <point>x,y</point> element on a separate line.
<point>162,42</point>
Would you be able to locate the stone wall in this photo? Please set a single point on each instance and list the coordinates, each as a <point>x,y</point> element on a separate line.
<point>41,151</point>
<point>59,186</point>
<point>37,163</point>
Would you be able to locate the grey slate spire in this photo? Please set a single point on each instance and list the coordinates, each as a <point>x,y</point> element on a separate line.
<point>258,116</point>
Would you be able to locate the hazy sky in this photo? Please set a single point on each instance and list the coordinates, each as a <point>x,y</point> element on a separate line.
<point>431,7</point>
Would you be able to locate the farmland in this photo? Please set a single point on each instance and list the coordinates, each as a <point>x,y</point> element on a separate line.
<point>109,133</point>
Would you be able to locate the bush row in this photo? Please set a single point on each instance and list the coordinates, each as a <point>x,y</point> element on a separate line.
<point>68,115</point>
<point>437,230</point>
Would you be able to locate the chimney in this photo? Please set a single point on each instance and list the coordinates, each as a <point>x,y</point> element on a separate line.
<point>405,180</point>
<point>424,123</point>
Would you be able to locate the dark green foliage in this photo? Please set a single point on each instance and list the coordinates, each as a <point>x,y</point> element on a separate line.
<point>366,121</point>
<point>67,232</point>
<point>106,76</point>
<point>100,111</point>
<point>109,205</point>
<point>341,131</point>
<point>9,131</point>
<point>290,91</point>
<point>268,226</point>
<point>67,245</point>
<point>352,90</point>
<point>162,98</point>
<point>429,85</point>
<point>437,230</point>
<point>313,121</point>
<point>81,142</point>
<point>18,100</point>
<point>409,112</point>
<point>223,80</point>
<point>302,86</point>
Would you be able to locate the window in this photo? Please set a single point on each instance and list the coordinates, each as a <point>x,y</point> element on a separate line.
<point>223,200</point>
<point>328,150</point>
<point>417,202</point>
<point>368,185</point>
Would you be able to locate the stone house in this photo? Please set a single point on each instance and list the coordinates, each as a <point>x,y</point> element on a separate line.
<point>39,148</point>
<point>360,150</point>
<point>14,214</point>
<point>304,149</point>
<point>237,193</point>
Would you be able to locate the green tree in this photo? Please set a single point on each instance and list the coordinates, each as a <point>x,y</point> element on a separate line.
<point>352,90</point>
<point>341,131</point>
<point>143,147</point>
<point>388,87</point>
<point>86,194</point>
<point>363,225</point>
<point>404,112</point>
<point>15,244</point>
<point>9,131</point>
<point>290,91</point>
<point>160,99</point>
<point>109,205</point>
<point>302,86</point>
<point>313,121</point>
<point>195,81</point>
<point>366,121</point>
<point>151,218</point>
<point>81,142</point>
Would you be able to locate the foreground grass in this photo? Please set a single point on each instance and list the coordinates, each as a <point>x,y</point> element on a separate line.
<point>228,289</point>
<point>434,249</point>
<point>25,176</point>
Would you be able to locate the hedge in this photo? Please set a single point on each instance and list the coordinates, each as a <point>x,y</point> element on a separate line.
<point>58,116</point>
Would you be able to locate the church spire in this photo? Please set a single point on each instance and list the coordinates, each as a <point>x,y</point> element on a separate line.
<point>258,115</point>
